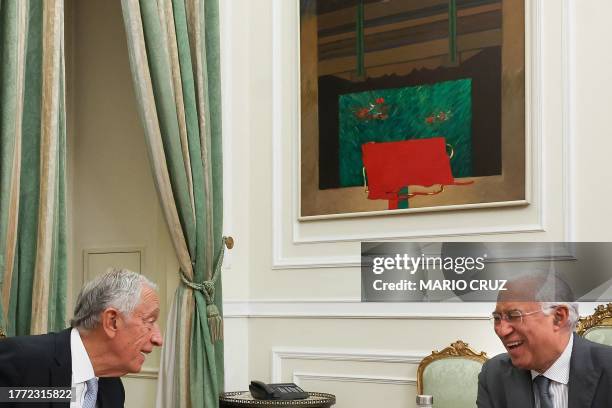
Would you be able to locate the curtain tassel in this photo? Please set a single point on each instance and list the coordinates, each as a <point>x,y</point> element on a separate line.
<point>215,323</point>
<point>215,320</point>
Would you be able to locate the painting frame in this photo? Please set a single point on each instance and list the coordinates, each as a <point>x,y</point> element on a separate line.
<point>487,192</point>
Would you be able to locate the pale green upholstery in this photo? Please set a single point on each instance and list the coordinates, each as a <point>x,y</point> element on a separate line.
<point>453,382</point>
<point>597,327</point>
<point>601,335</point>
<point>451,376</point>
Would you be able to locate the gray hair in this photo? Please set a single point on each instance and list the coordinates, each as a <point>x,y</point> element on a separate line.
<point>117,288</point>
<point>546,288</point>
<point>556,292</point>
<point>572,307</point>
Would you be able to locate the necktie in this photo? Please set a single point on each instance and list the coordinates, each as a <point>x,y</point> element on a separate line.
<point>542,384</point>
<point>91,393</point>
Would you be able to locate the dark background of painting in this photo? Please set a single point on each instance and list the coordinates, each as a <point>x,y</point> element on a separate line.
<point>485,71</point>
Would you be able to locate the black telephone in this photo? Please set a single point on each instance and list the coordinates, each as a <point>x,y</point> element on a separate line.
<point>286,391</point>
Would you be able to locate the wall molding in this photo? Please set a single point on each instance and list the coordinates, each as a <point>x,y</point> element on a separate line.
<point>352,355</point>
<point>227,89</point>
<point>283,262</point>
<point>373,379</point>
<point>145,374</point>
<point>354,309</point>
<point>429,233</point>
<point>530,253</point>
<point>568,69</point>
<point>102,250</point>
<point>287,231</point>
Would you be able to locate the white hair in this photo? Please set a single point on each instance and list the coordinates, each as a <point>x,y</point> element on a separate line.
<point>117,288</point>
<point>556,292</point>
<point>572,307</point>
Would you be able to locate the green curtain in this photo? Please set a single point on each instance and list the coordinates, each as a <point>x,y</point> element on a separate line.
<point>32,167</point>
<point>174,56</point>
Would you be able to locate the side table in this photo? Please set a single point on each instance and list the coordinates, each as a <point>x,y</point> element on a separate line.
<point>243,399</point>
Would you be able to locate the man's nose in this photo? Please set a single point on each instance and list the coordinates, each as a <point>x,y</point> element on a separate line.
<point>157,338</point>
<point>503,328</point>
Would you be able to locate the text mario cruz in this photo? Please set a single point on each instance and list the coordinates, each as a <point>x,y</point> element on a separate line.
<point>446,284</point>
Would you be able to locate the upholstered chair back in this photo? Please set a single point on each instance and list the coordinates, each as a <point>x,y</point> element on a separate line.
<point>598,326</point>
<point>451,376</point>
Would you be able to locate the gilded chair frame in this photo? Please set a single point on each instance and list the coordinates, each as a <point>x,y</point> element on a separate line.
<point>2,333</point>
<point>458,349</point>
<point>602,317</point>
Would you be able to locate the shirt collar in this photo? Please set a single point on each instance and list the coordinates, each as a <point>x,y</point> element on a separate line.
<point>82,370</point>
<point>560,369</point>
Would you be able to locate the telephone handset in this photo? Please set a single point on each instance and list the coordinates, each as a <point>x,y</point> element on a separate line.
<point>285,391</point>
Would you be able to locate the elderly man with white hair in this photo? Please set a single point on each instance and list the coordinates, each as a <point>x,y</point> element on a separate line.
<point>113,329</point>
<point>546,364</point>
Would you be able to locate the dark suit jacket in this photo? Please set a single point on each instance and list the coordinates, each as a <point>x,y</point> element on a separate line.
<point>501,385</point>
<point>45,361</point>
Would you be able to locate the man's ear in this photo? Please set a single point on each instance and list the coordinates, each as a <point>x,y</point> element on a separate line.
<point>561,316</point>
<point>110,323</point>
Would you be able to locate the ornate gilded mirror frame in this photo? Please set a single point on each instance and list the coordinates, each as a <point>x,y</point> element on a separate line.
<point>602,317</point>
<point>458,349</point>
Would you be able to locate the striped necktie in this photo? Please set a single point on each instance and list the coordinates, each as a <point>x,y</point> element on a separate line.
<point>542,386</point>
<point>91,393</point>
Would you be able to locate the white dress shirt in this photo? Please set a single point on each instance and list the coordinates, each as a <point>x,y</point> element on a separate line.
<point>558,374</point>
<point>82,370</point>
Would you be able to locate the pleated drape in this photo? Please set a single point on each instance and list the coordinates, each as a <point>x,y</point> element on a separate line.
<point>174,57</point>
<point>32,167</point>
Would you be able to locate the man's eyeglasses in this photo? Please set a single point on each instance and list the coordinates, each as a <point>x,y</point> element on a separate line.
<point>513,316</point>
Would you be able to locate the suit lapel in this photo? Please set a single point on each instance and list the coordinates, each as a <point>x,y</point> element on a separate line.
<point>110,393</point>
<point>103,396</point>
<point>519,389</point>
<point>110,390</point>
<point>61,372</point>
<point>584,376</point>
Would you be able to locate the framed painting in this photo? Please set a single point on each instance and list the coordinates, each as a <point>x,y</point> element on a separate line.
<point>411,105</point>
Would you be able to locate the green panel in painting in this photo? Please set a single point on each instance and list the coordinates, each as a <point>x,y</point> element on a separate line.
<point>417,112</point>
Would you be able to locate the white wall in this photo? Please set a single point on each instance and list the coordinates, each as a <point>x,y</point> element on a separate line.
<point>591,87</point>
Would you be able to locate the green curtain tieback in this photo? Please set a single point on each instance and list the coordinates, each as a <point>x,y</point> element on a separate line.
<point>215,321</point>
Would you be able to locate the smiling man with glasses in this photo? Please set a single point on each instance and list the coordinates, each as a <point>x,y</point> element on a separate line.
<point>546,365</point>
